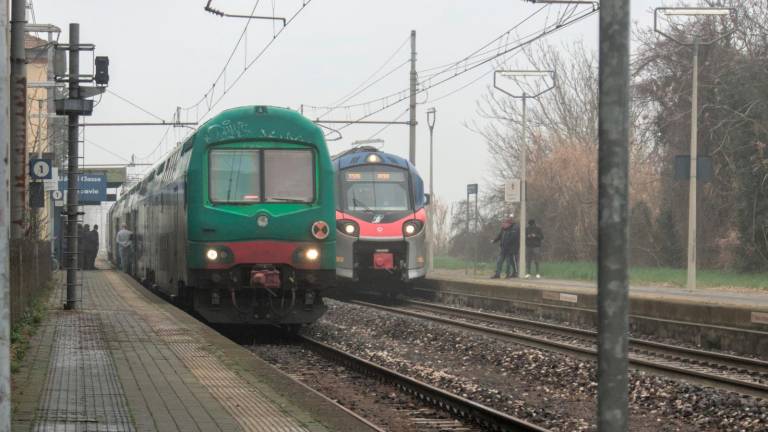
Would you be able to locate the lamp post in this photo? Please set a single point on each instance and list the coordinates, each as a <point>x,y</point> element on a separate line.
<point>692,183</point>
<point>431,115</point>
<point>523,143</point>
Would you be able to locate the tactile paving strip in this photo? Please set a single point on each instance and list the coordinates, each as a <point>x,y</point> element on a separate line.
<point>82,391</point>
<point>251,408</point>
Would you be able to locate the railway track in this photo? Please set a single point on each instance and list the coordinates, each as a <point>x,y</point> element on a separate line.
<point>487,418</point>
<point>740,374</point>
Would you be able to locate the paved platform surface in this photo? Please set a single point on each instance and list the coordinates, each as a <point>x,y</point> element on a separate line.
<point>128,361</point>
<point>721,296</point>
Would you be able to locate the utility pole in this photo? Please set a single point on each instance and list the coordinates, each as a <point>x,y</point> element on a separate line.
<point>412,140</point>
<point>75,105</point>
<point>691,279</point>
<point>18,120</point>
<point>612,211</point>
<point>72,254</point>
<point>5,283</point>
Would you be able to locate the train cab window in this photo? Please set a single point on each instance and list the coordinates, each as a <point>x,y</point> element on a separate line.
<point>375,189</point>
<point>299,186</point>
<point>235,176</point>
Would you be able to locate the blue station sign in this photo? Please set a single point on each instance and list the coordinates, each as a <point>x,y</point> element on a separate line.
<point>92,188</point>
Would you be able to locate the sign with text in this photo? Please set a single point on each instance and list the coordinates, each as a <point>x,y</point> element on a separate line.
<point>472,188</point>
<point>92,189</point>
<point>512,191</point>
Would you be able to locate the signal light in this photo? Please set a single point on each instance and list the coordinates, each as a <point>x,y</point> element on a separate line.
<point>102,70</point>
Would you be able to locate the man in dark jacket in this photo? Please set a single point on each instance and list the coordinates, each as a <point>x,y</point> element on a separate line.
<point>533,238</point>
<point>93,240</point>
<point>506,240</point>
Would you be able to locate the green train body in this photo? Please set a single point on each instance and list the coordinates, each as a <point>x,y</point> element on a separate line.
<point>237,223</point>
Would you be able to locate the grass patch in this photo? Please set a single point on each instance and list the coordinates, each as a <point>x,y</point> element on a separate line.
<point>25,328</point>
<point>587,271</point>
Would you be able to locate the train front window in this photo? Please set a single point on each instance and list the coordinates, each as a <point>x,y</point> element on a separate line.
<point>235,176</point>
<point>289,175</point>
<point>376,189</point>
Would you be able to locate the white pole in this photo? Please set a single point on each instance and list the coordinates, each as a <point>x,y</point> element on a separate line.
<point>523,213</point>
<point>5,316</point>
<point>693,168</point>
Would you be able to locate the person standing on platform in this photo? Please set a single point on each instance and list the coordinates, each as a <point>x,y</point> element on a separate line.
<point>533,238</point>
<point>125,245</point>
<point>506,241</point>
<point>94,243</point>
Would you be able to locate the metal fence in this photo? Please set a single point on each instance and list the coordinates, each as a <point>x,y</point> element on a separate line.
<point>31,272</point>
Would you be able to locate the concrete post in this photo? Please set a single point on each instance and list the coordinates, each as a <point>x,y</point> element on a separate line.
<point>613,204</point>
<point>18,124</point>
<point>5,285</point>
<point>523,208</point>
<point>692,200</point>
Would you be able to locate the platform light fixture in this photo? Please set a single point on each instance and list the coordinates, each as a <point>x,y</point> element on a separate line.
<point>543,74</point>
<point>694,44</point>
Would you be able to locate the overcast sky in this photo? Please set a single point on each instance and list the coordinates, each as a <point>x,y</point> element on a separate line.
<point>165,54</point>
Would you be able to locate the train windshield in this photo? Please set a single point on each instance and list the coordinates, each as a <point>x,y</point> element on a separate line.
<point>376,188</point>
<point>255,175</point>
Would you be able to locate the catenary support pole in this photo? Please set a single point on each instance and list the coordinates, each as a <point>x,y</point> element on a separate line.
<point>431,115</point>
<point>613,250</point>
<point>5,283</point>
<point>18,155</point>
<point>692,200</point>
<point>412,103</point>
<point>523,208</point>
<point>72,254</point>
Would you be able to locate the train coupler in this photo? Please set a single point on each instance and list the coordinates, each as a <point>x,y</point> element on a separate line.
<point>268,279</point>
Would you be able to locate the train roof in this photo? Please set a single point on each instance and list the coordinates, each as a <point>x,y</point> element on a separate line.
<point>359,155</point>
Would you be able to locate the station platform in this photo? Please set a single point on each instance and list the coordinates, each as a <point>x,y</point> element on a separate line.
<point>734,319</point>
<point>126,360</point>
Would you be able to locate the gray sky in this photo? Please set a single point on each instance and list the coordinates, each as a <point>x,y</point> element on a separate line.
<point>165,54</point>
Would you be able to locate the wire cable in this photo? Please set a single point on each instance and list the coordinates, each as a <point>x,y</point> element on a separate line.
<point>135,105</point>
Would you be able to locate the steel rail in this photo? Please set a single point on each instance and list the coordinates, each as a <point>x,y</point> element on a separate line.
<point>681,369</point>
<point>735,361</point>
<point>486,417</point>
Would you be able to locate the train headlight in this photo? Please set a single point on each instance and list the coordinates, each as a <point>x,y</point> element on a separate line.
<point>312,254</point>
<point>412,227</point>
<point>348,227</point>
<point>372,158</point>
<point>212,254</point>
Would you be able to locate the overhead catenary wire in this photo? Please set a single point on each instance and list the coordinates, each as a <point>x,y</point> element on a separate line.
<point>209,96</point>
<point>478,55</point>
<point>135,105</point>
<point>508,49</point>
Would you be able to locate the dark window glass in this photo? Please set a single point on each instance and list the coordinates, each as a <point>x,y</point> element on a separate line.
<point>289,176</point>
<point>235,176</point>
<point>377,189</point>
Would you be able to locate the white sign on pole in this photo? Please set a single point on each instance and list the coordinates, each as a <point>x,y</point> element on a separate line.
<point>512,191</point>
<point>53,183</point>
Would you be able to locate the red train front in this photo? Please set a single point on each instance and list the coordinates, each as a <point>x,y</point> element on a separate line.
<point>380,217</point>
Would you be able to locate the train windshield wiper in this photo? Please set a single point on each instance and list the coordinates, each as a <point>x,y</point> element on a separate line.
<point>359,204</point>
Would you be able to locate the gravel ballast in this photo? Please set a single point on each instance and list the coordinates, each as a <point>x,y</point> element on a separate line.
<point>547,388</point>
